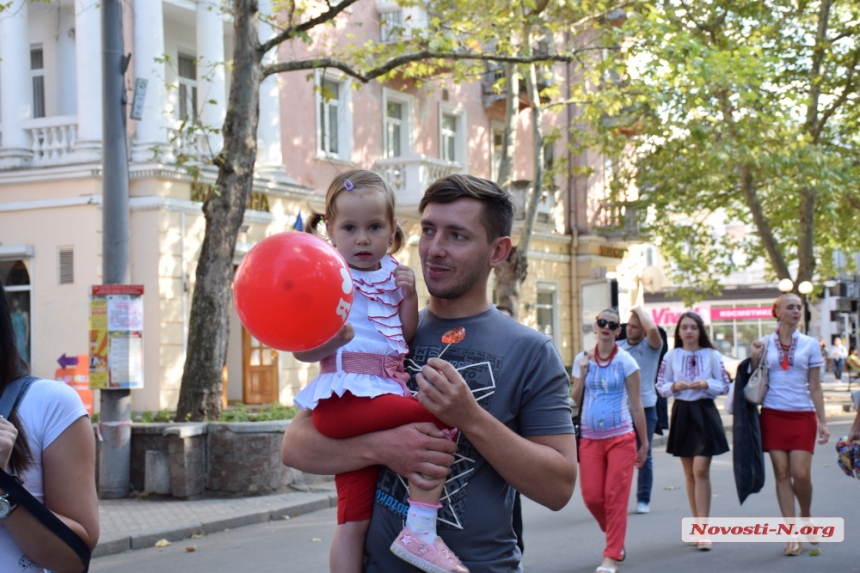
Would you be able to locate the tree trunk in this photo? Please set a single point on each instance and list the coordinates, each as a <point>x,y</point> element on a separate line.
<point>806,231</point>
<point>765,233</point>
<point>200,393</point>
<point>511,274</point>
<point>512,108</point>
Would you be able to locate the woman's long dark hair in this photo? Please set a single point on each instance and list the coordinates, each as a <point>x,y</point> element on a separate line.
<point>12,367</point>
<point>704,341</point>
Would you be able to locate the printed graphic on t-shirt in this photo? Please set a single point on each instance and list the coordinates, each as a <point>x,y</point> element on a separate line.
<point>477,369</point>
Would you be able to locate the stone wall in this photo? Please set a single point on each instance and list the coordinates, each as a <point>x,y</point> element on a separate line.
<point>212,458</point>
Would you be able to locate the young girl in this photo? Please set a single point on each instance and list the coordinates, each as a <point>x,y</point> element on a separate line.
<point>693,373</point>
<point>362,385</point>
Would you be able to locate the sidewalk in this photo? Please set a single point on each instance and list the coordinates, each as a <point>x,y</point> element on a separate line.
<point>139,523</point>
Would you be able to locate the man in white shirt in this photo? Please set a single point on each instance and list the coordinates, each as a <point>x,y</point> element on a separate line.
<point>644,344</point>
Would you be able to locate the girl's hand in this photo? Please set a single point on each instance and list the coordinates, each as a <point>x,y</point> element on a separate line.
<point>698,385</point>
<point>757,349</point>
<point>8,435</point>
<point>823,433</point>
<point>404,278</point>
<point>344,335</point>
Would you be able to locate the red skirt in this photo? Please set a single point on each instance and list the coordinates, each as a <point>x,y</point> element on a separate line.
<point>788,430</point>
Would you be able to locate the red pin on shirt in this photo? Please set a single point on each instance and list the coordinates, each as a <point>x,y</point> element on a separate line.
<point>453,336</point>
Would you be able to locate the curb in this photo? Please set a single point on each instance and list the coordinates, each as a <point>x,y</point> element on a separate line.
<point>178,532</point>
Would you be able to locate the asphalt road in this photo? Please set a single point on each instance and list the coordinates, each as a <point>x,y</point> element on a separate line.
<point>567,541</point>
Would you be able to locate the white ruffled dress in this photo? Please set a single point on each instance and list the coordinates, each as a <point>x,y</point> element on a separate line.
<point>375,317</point>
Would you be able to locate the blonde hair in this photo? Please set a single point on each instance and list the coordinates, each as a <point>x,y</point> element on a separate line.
<point>352,180</point>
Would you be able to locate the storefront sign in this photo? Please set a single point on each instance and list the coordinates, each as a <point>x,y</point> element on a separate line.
<point>116,337</point>
<point>668,315</point>
<point>741,313</point>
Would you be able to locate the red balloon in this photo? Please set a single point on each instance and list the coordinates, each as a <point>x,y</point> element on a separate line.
<point>293,291</point>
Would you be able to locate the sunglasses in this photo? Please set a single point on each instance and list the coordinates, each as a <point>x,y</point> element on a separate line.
<point>603,323</point>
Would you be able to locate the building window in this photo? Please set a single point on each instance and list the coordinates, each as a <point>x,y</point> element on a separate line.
<point>329,112</point>
<point>452,134</point>
<point>16,280</point>
<point>398,123</point>
<point>334,118</point>
<point>187,88</point>
<point>391,25</point>
<point>449,137</point>
<point>393,129</point>
<point>67,266</point>
<point>37,73</point>
<point>497,152</point>
<point>547,310</point>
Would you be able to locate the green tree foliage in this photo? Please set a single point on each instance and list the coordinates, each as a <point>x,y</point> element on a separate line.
<point>454,41</point>
<point>739,110</point>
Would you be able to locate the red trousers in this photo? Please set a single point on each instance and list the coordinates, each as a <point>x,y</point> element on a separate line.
<point>348,416</point>
<point>605,478</point>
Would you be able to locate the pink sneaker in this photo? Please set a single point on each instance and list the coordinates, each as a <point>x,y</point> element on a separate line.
<point>436,558</point>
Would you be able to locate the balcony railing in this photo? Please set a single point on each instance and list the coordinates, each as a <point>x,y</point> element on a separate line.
<point>187,145</point>
<point>614,220</point>
<point>410,175</point>
<point>52,139</point>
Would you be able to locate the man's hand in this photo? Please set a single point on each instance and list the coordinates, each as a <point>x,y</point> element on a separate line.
<point>419,452</point>
<point>445,394</point>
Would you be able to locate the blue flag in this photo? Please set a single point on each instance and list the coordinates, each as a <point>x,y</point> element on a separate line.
<point>299,225</point>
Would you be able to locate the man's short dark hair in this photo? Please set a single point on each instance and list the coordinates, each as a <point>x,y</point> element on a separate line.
<point>498,206</point>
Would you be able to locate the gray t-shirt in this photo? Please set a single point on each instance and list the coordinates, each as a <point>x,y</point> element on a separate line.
<point>516,374</point>
<point>648,360</point>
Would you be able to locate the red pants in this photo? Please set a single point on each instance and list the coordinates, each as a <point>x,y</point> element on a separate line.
<point>350,416</point>
<point>605,478</point>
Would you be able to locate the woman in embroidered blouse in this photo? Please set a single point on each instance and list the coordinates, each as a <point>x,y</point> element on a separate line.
<point>792,414</point>
<point>606,384</point>
<point>694,375</point>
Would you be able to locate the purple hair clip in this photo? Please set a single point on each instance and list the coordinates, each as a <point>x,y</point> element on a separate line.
<point>347,184</point>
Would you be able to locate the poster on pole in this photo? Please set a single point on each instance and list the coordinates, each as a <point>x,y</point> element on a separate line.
<point>116,337</point>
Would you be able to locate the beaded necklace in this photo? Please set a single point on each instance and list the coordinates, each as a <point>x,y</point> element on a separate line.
<point>608,359</point>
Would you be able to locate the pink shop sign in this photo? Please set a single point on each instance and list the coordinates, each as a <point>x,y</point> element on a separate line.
<point>668,315</point>
<point>741,313</point>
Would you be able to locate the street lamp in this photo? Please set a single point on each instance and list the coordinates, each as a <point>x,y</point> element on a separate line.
<point>786,285</point>
<point>804,288</point>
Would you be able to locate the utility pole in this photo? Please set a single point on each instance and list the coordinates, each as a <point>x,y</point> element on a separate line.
<point>115,415</point>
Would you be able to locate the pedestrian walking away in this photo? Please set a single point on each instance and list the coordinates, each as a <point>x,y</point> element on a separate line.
<point>513,415</point>
<point>792,414</point>
<point>644,343</point>
<point>606,384</point>
<point>693,374</point>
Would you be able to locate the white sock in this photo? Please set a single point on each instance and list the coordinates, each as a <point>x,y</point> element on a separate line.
<point>421,520</point>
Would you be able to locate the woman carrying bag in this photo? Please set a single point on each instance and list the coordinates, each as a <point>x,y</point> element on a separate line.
<point>47,446</point>
<point>792,413</point>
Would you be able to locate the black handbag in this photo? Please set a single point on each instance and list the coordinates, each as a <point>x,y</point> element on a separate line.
<point>8,403</point>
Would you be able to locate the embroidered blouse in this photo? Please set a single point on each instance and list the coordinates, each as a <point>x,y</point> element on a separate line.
<point>681,365</point>
<point>788,388</point>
